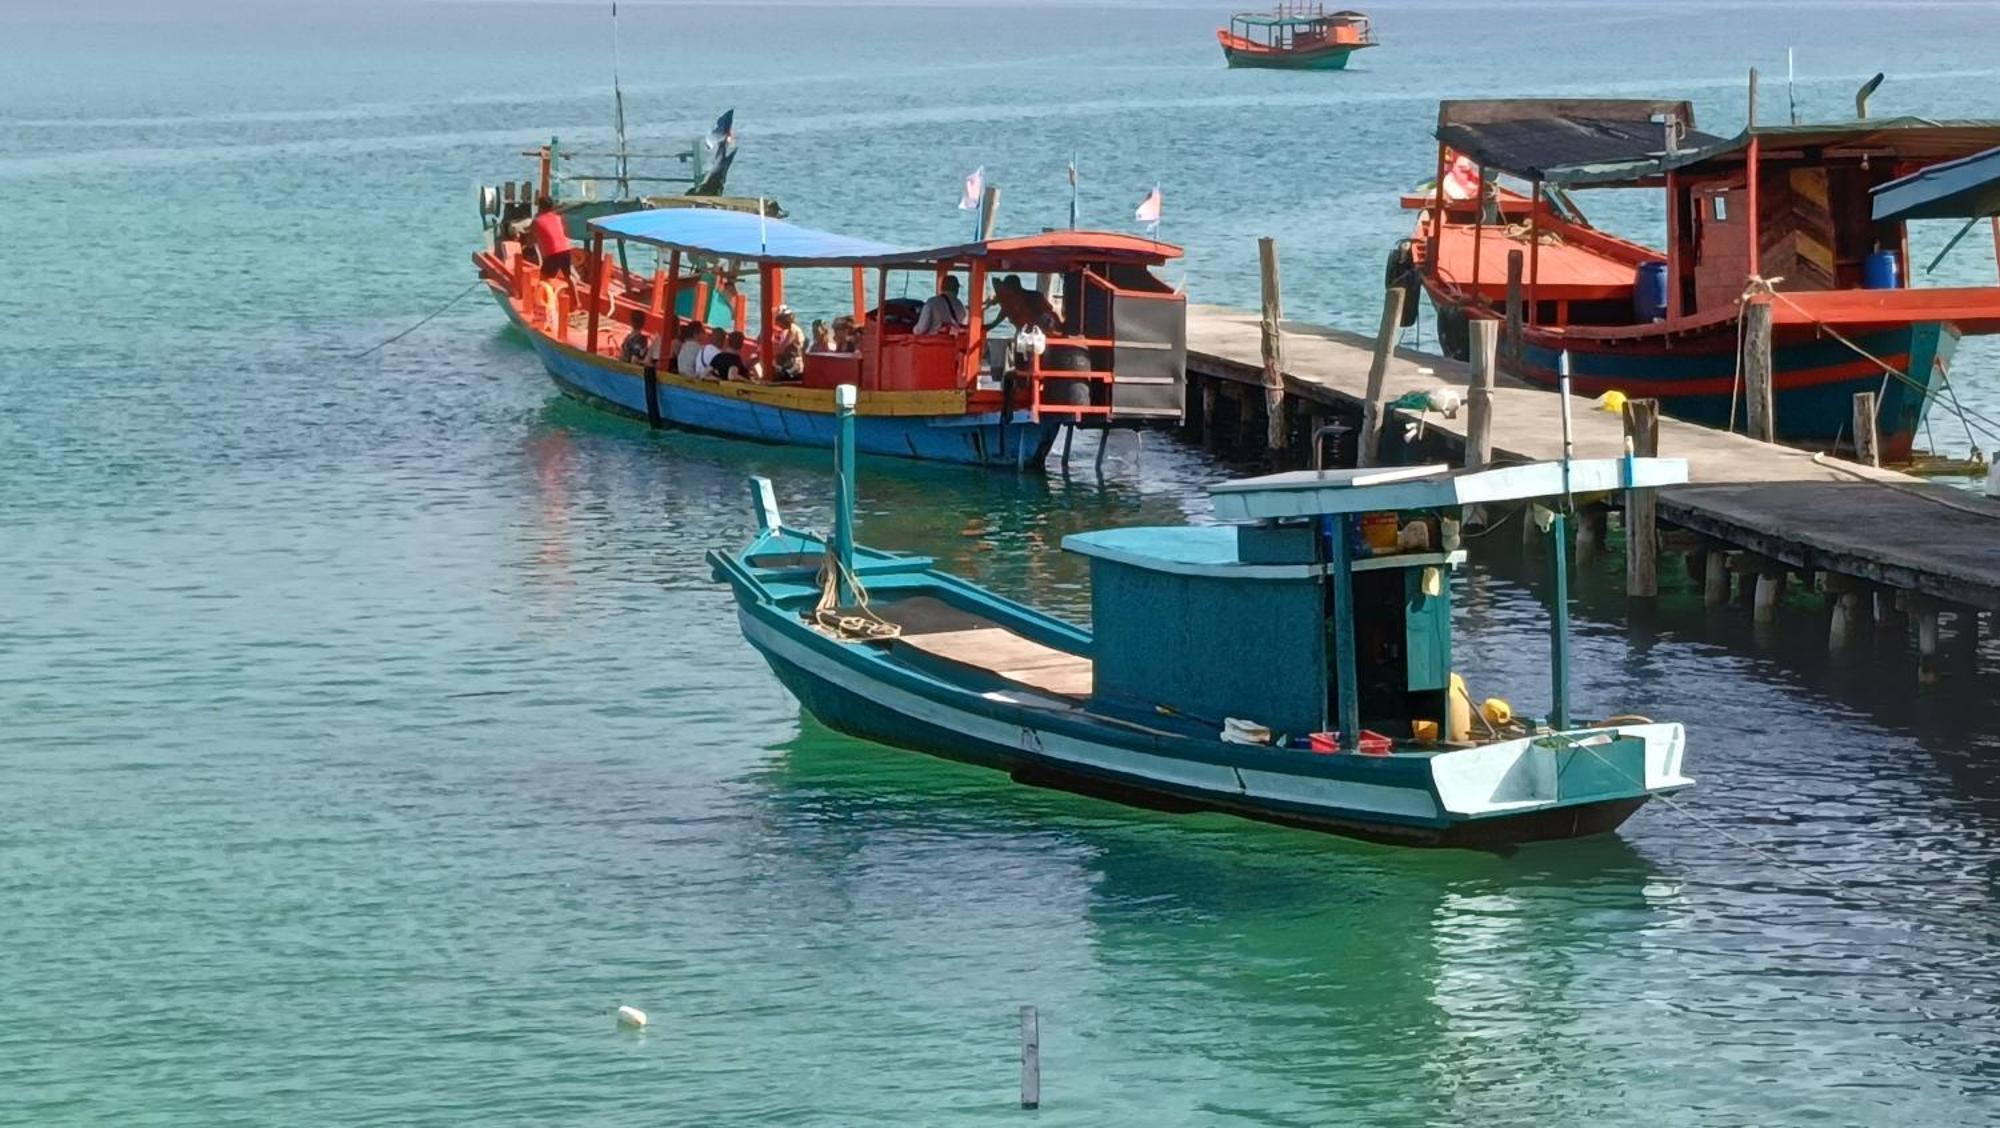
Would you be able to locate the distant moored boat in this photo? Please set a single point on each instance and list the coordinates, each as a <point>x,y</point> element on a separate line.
<point>1295,37</point>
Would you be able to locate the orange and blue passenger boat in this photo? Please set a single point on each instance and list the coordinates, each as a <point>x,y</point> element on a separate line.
<point>1113,350</point>
<point>1295,37</point>
<point>1781,214</point>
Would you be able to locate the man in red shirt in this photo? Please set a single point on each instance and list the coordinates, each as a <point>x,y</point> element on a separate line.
<point>549,240</point>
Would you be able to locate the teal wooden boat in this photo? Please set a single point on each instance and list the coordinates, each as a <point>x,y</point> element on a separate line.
<point>1276,668</point>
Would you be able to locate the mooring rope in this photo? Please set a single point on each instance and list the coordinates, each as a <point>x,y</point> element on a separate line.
<point>428,318</point>
<point>1768,286</point>
<point>861,622</point>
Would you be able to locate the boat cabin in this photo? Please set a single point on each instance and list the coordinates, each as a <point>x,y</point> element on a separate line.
<point>1111,342</point>
<point>1788,204</point>
<point>1326,611</point>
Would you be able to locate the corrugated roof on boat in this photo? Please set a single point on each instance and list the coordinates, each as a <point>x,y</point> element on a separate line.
<point>1967,188</point>
<point>728,234</point>
<point>1568,141</point>
<point>1908,136</point>
<point>740,236</point>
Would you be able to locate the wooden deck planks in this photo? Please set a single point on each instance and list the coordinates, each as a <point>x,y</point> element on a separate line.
<point>1001,651</point>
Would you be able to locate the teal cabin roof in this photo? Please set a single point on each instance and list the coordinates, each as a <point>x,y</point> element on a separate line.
<point>1186,550</point>
<point>1968,188</point>
<point>1308,493</point>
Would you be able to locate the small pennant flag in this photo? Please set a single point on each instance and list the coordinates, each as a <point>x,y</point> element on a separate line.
<point>1072,171</point>
<point>1148,211</point>
<point>975,187</point>
<point>724,131</point>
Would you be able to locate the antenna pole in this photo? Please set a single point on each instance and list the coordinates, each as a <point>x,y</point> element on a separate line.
<point>1791,92</point>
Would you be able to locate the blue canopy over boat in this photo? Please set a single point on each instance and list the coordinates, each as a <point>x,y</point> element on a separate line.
<point>1967,188</point>
<point>737,235</point>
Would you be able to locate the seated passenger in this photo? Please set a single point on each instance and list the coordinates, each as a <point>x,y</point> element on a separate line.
<point>846,338</point>
<point>718,339</point>
<point>822,337</point>
<point>638,348</point>
<point>788,347</point>
<point>1027,309</point>
<point>944,311</point>
<point>687,355</point>
<point>728,364</point>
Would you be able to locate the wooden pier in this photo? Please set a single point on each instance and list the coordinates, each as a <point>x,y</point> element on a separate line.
<point>1878,543</point>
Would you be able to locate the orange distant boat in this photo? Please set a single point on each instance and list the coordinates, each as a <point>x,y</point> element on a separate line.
<point>1295,37</point>
<point>1779,214</point>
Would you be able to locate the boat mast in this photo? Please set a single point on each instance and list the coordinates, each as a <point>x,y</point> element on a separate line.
<point>618,112</point>
<point>1559,530</point>
<point>843,492</point>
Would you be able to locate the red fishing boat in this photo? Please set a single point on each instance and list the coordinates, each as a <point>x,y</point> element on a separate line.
<point>1109,349</point>
<point>1777,214</point>
<point>1295,37</point>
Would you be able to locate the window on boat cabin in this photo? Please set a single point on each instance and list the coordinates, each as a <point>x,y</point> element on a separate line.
<point>1720,206</point>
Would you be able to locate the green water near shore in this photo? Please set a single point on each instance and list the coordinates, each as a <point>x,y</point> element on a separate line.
<point>372,727</point>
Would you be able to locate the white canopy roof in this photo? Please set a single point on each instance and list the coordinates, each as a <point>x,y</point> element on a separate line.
<point>1309,493</point>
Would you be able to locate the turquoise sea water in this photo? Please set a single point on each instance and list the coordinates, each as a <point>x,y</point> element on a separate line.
<point>372,728</point>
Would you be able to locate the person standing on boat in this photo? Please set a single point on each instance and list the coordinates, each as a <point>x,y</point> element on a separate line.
<point>944,311</point>
<point>549,239</point>
<point>1027,309</point>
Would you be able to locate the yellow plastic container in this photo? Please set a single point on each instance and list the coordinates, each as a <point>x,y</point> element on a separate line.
<point>1424,732</point>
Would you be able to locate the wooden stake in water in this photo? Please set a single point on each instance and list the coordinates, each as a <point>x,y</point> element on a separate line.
<point>1031,1059</point>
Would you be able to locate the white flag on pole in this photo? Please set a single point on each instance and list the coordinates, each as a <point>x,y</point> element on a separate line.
<point>1148,212</point>
<point>975,187</point>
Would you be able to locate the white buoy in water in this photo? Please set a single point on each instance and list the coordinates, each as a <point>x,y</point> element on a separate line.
<point>631,1017</point>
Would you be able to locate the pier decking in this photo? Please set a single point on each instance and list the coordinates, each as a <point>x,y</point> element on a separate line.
<point>1811,513</point>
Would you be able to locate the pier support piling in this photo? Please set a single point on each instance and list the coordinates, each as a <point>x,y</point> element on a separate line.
<point>1642,537</point>
<point>1276,433</point>
<point>1846,594</point>
<point>1756,366</point>
<point>1867,441</point>
<point>1370,452</point>
<point>1479,395</point>
<point>1208,397</point>
<point>1770,590</point>
<point>1715,581</point>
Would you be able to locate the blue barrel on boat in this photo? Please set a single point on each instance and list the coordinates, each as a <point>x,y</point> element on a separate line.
<point>1880,271</point>
<point>1649,291</point>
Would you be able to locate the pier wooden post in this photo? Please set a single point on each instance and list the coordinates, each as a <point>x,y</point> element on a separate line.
<point>1031,1058</point>
<point>1516,264</point>
<point>1715,578</point>
<point>1843,628</point>
<point>1275,431</point>
<point>1370,452</point>
<point>1770,589</point>
<point>1867,442</point>
<point>1924,610</point>
<point>1208,398</point>
<point>989,213</point>
<point>1593,525</point>
<point>1479,395</point>
<point>1756,362</point>
<point>1642,538</point>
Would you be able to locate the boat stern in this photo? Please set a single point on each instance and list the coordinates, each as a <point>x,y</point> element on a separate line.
<point>1610,768</point>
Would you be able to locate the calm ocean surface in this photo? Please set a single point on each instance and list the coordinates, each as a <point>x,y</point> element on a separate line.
<point>372,728</point>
